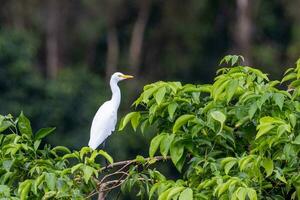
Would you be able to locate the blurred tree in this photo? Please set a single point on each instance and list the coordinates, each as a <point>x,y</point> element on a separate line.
<point>52,46</point>
<point>137,37</point>
<point>243,31</point>
<point>111,16</point>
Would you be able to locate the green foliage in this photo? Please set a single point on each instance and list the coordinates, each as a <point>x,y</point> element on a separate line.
<point>237,138</point>
<point>30,170</point>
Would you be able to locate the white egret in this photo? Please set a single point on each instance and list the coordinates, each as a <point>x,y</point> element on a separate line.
<point>105,120</point>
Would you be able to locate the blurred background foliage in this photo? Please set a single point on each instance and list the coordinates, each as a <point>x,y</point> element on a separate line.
<point>56,55</point>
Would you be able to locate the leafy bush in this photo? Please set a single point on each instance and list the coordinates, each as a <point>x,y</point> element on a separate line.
<point>30,170</point>
<point>237,138</point>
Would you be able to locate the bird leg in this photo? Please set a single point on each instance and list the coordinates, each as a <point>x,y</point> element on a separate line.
<point>103,147</point>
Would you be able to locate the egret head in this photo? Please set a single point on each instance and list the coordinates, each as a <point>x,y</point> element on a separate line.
<point>118,76</point>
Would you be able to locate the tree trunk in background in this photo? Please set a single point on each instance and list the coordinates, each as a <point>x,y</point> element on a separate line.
<point>136,44</point>
<point>242,33</point>
<point>112,51</point>
<point>52,53</point>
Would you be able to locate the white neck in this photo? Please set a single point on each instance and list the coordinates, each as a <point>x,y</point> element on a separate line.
<point>116,93</point>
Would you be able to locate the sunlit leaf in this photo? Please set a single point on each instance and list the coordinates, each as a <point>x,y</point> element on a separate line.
<point>43,132</point>
<point>24,125</point>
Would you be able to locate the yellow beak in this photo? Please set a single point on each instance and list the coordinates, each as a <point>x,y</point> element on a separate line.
<point>127,76</point>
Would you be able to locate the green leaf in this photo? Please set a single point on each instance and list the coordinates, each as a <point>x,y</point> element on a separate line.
<point>241,193</point>
<point>106,156</point>
<point>263,130</point>
<point>251,194</point>
<point>159,95</point>
<point>155,142</point>
<point>252,110</point>
<point>186,194</point>
<point>218,116</point>
<point>43,132</point>
<point>83,151</point>
<point>268,166</point>
<point>76,167</point>
<point>165,144</point>
<point>24,189</point>
<point>133,115</point>
<point>181,121</point>
<point>50,179</point>
<point>279,100</point>
<point>280,176</point>
<point>171,109</point>
<point>87,173</point>
<point>293,119</point>
<point>179,165</point>
<point>229,165</point>
<point>5,125</point>
<point>62,149</point>
<point>289,77</point>
<point>174,191</point>
<point>4,190</point>
<point>37,183</point>
<point>297,140</point>
<point>135,120</point>
<point>232,86</point>
<point>24,125</point>
<point>176,151</point>
<point>164,195</point>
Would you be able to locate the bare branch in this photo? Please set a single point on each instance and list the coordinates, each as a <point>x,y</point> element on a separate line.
<point>129,162</point>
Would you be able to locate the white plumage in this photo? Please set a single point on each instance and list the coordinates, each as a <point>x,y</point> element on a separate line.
<point>105,120</point>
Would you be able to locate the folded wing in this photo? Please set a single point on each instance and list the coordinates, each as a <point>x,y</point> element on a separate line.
<point>103,124</point>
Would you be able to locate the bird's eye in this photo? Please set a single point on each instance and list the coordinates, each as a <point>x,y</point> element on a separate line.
<point>120,76</point>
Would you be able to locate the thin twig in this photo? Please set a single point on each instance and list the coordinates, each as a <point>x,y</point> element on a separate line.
<point>109,175</point>
<point>129,162</point>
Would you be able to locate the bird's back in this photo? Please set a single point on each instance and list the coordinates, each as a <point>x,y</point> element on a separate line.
<point>103,124</point>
